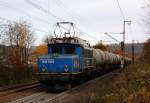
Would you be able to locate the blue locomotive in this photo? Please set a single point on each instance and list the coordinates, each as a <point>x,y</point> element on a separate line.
<point>66,61</point>
<point>71,60</point>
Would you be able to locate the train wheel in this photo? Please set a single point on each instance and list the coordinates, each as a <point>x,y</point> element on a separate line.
<point>73,84</point>
<point>92,75</point>
<point>68,86</point>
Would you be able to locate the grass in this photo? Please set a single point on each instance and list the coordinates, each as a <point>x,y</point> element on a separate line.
<point>127,86</point>
<point>131,85</point>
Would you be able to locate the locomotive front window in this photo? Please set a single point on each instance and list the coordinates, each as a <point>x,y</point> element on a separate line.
<point>69,50</point>
<point>56,50</point>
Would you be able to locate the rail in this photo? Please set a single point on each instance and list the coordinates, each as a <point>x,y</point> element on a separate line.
<point>10,90</point>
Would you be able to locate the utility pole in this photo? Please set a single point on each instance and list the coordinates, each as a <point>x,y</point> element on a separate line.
<point>123,42</point>
<point>133,51</point>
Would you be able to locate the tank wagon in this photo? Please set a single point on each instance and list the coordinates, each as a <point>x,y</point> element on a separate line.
<point>71,60</point>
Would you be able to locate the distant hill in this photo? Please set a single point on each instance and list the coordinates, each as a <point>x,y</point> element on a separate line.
<point>138,47</point>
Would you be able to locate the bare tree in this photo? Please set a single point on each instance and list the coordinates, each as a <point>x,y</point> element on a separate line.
<point>146,49</point>
<point>19,37</point>
<point>146,18</point>
<point>47,38</point>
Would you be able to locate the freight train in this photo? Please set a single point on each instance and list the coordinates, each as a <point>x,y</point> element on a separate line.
<point>71,60</point>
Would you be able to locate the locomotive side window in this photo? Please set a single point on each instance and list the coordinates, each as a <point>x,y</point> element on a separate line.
<point>69,50</point>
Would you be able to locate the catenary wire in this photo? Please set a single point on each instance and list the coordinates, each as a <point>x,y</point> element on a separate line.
<point>121,11</point>
<point>43,9</point>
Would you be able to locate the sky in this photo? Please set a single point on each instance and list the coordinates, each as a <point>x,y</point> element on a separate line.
<point>93,17</point>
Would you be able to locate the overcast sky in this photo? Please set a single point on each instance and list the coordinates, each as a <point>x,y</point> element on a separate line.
<point>94,17</point>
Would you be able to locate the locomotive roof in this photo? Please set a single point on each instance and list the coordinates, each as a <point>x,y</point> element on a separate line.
<point>69,40</point>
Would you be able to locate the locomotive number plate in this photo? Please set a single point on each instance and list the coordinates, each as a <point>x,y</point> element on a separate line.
<point>50,61</point>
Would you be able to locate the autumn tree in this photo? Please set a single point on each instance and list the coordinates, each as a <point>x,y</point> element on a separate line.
<point>101,46</point>
<point>19,37</point>
<point>146,52</point>
<point>146,22</point>
<point>41,49</point>
<point>117,51</point>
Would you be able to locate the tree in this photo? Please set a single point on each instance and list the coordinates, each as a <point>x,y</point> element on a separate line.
<point>101,46</point>
<point>41,49</point>
<point>146,49</point>
<point>47,38</point>
<point>117,51</point>
<point>146,52</point>
<point>19,38</point>
<point>146,19</point>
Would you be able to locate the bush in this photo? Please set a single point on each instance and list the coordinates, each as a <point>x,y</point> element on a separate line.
<point>146,52</point>
<point>130,90</point>
<point>16,74</point>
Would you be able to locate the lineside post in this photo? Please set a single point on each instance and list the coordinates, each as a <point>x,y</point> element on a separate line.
<point>124,32</point>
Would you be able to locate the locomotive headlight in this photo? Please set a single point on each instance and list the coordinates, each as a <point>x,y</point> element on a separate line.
<point>65,68</point>
<point>43,68</point>
<point>76,63</point>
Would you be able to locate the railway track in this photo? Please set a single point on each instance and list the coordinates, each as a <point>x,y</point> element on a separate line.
<point>45,97</point>
<point>10,90</point>
<point>16,86</point>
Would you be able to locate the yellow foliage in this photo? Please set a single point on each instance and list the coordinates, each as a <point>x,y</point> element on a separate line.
<point>142,96</point>
<point>113,98</point>
<point>135,89</point>
<point>109,98</point>
<point>101,46</point>
<point>41,49</point>
<point>146,51</point>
